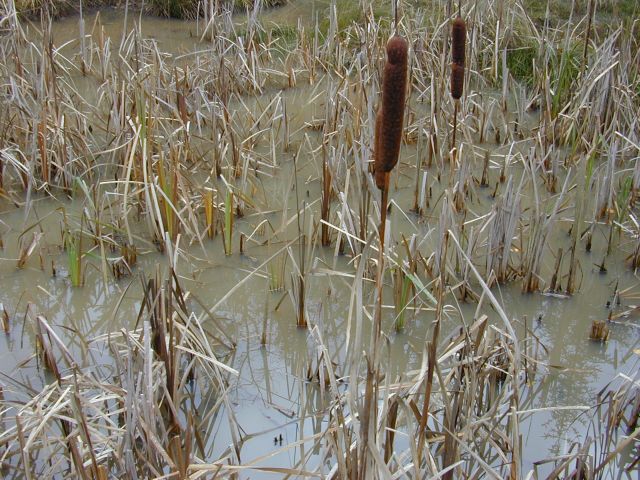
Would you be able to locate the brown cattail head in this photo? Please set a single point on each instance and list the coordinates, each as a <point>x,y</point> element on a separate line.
<point>457,80</point>
<point>458,41</point>
<point>390,117</point>
<point>382,179</point>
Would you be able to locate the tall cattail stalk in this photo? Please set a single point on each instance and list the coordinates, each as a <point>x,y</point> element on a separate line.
<point>388,137</point>
<point>590,15</point>
<point>458,45</point>
<point>389,120</point>
<point>390,117</point>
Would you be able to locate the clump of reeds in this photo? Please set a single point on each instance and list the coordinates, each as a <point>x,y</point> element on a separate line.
<point>276,269</point>
<point>129,253</point>
<point>122,266</point>
<point>503,225</point>
<point>97,424</point>
<point>168,199</point>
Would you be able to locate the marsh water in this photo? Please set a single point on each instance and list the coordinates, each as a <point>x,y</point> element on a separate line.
<point>271,395</point>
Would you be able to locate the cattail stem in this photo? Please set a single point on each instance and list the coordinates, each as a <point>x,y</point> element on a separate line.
<point>588,35</point>
<point>382,230</point>
<point>369,407</point>
<point>395,16</point>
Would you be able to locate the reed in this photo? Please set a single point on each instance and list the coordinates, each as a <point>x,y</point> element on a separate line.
<point>168,198</point>
<point>634,258</point>
<point>276,272</point>
<point>327,192</point>
<point>401,297</point>
<point>404,292</point>
<point>554,283</point>
<point>6,327</point>
<point>27,248</point>
<point>228,223</point>
<point>210,214</point>
<point>85,416</point>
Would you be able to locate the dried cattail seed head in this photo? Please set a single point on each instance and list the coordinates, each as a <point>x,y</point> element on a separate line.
<point>458,44</point>
<point>457,80</point>
<point>390,117</point>
<point>397,50</point>
<point>458,41</point>
<point>381,179</point>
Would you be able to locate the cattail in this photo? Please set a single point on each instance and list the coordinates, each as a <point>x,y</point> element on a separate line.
<point>457,80</point>
<point>458,39</point>
<point>381,179</point>
<point>389,119</point>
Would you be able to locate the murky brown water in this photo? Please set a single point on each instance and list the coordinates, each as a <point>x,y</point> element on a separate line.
<point>271,396</point>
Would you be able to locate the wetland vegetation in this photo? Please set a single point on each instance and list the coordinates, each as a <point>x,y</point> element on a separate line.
<point>319,238</point>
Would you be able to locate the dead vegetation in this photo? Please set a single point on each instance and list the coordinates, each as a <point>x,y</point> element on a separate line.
<point>174,153</point>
